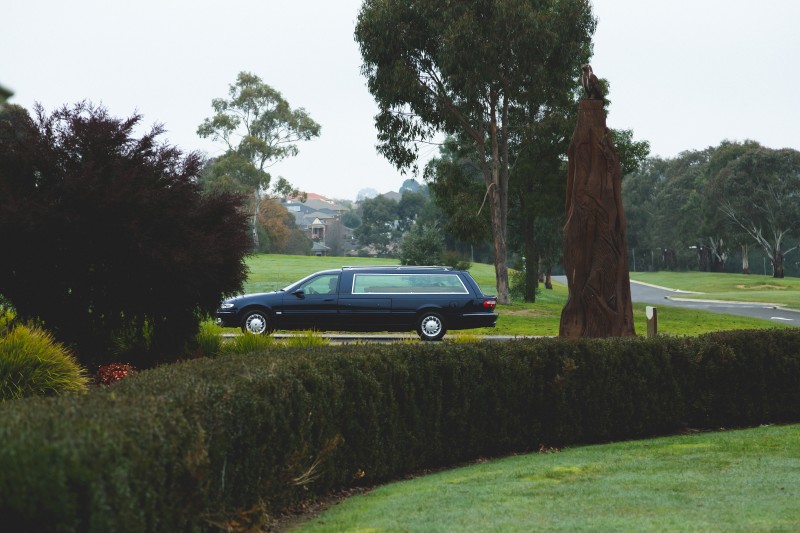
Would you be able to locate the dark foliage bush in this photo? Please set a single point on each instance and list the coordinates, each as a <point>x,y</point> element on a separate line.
<point>106,237</point>
<point>210,441</point>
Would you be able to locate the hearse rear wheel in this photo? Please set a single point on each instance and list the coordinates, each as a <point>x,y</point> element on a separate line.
<point>430,327</point>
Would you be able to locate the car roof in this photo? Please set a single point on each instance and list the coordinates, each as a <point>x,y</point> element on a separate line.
<point>398,267</point>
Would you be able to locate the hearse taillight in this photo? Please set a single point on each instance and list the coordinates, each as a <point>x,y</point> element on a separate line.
<point>489,304</point>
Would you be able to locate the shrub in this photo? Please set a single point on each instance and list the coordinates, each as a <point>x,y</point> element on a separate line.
<point>209,339</point>
<point>422,246</point>
<point>145,254</point>
<point>185,446</point>
<point>306,339</point>
<point>248,343</point>
<point>517,284</point>
<point>33,364</point>
<point>6,319</point>
<point>111,373</point>
<point>456,260</point>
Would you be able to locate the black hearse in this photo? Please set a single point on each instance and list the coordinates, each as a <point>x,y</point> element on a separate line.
<point>430,300</point>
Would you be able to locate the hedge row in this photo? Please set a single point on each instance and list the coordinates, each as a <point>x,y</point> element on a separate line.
<point>218,442</point>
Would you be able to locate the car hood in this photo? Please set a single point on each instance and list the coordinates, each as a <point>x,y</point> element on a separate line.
<point>254,296</point>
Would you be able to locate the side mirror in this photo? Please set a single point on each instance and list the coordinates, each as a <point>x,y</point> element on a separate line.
<point>300,293</point>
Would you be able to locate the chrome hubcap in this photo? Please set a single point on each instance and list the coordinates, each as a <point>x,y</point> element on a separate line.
<point>256,324</point>
<point>431,326</point>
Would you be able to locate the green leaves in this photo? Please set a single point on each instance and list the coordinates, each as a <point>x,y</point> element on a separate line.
<point>259,129</point>
<point>257,123</point>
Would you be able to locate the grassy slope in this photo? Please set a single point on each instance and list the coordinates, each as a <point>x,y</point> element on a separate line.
<point>271,272</point>
<point>728,481</point>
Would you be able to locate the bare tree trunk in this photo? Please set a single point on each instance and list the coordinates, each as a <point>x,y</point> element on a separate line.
<point>497,214</point>
<point>531,266</point>
<point>500,258</point>
<point>718,256</point>
<point>777,264</point>
<point>745,260</point>
<point>531,257</point>
<point>256,206</point>
<point>595,241</point>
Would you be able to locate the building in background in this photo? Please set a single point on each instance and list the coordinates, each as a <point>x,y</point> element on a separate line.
<point>320,218</point>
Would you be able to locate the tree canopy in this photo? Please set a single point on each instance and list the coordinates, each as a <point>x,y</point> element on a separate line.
<point>378,224</point>
<point>760,194</point>
<point>703,207</point>
<point>106,236</point>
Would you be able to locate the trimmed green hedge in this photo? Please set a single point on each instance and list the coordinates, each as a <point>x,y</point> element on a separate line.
<point>224,441</point>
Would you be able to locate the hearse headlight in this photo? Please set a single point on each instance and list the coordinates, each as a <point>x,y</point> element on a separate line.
<point>226,305</point>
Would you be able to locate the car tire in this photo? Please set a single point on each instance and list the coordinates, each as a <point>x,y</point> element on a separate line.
<point>430,327</point>
<point>256,322</point>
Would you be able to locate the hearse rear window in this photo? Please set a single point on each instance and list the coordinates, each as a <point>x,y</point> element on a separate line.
<point>408,284</point>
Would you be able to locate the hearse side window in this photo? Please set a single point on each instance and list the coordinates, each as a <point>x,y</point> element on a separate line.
<point>408,284</point>
<point>325,284</point>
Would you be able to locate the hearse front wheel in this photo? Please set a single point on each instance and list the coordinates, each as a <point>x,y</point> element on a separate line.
<point>255,322</point>
<point>430,327</point>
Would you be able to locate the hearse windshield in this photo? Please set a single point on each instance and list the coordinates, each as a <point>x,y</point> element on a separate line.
<point>300,284</point>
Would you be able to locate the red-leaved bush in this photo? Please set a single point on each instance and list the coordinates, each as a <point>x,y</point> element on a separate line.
<point>113,372</point>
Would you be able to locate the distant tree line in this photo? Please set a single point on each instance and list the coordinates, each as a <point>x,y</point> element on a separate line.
<point>730,208</point>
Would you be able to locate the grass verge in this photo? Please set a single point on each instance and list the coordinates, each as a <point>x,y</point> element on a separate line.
<point>543,319</point>
<point>744,480</point>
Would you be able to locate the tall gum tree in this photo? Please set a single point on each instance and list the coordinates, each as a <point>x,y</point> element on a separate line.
<point>259,128</point>
<point>460,68</point>
<point>760,191</point>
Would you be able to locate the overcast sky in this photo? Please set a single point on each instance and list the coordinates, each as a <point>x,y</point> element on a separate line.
<point>684,74</point>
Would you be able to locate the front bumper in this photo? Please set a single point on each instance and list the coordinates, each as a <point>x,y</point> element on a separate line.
<point>227,318</point>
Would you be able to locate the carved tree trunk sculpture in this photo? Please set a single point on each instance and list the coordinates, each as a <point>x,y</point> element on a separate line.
<point>595,241</point>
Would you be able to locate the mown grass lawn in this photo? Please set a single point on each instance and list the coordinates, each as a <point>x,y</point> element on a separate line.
<point>273,272</point>
<point>731,481</point>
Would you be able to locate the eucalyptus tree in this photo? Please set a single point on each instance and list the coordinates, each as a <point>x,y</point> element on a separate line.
<point>461,68</point>
<point>378,228</point>
<point>716,221</point>
<point>456,186</point>
<point>681,220</point>
<point>538,194</point>
<point>258,128</point>
<point>759,193</point>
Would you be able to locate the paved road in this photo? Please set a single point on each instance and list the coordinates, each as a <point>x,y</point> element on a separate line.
<point>658,296</point>
<point>359,338</point>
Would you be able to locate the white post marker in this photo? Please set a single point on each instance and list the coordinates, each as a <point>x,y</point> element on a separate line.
<point>652,320</point>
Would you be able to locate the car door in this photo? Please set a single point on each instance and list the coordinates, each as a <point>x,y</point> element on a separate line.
<point>312,305</point>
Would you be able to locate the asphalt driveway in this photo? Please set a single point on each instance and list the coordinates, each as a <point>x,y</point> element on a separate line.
<point>658,296</point>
